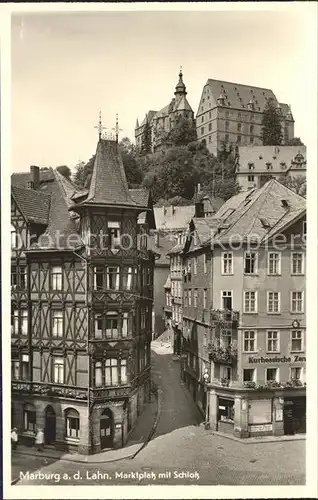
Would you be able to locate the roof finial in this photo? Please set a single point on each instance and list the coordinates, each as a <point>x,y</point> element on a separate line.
<point>100,127</point>
<point>180,88</point>
<point>116,128</point>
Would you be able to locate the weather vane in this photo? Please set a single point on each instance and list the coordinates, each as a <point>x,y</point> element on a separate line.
<point>116,128</point>
<point>100,127</point>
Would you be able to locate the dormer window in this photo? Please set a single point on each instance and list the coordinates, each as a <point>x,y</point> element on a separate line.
<point>283,164</point>
<point>251,166</point>
<point>269,166</point>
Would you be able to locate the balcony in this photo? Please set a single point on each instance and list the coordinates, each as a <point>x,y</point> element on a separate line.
<point>226,316</point>
<point>222,354</point>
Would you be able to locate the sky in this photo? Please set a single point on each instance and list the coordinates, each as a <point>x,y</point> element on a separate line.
<point>68,66</point>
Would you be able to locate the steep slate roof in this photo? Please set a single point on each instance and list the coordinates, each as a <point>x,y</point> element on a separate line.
<point>237,94</point>
<point>148,117</point>
<point>276,155</point>
<point>140,196</point>
<point>21,179</point>
<point>34,205</point>
<point>109,184</point>
<point>173,217</point>
<point>264,204</point>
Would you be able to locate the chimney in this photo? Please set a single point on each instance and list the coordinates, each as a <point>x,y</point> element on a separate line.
<point>157,238</point>
<point>35,177</point>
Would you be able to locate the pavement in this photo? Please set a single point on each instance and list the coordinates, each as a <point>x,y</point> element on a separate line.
<point>181,451</point>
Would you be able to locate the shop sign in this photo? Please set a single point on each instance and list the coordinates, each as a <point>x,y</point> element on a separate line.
<point>277,359</point>
<point>279,415</point>
<point>261,428</point>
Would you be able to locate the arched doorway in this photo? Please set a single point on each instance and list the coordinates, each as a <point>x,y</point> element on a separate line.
<point>106,429</point>
<point>50,425</point>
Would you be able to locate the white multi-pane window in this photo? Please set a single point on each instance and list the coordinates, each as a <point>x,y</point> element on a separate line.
<point>111,371</point>
<point>98,327</point>
<point>249,341</point>
<point>271,374</point>
<point>124,326</point>
<point>205,298</point>
<point>58,370</point>
<point>57,324</point>
<point>113,234</point>
<point>273,302</point>
<point>226,300</point>
<point>250,263</point>
<point>296,340</point>
<point>296,373</point>
<point>15,322</point>
<point>72,424</point>
<point>186,297</point>
<point>227,263</point>
<point>127,278</point>
<point>123,370</point>
<point>98,278</point>
<point>195,298</point>
<point>297,263</point>
<point>272,341</point>
<point>111,325</point>
<point>297,302</point>
<point>56,278</point>
<point>15,369</point>
<point>226,338</point>
<point>250,302</point>
<point>195,265</point>
<point>25,367</point>
<point>98,374</point>
<point>205,270</point>
<point>24,321</point>
<point>112,278</point>
<point>190,297</point>
<point>274,263</point>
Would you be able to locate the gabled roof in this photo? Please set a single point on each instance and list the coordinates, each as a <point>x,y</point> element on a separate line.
<point>20,179</point>
<point>173,217</point>
<point>109,184</point>
<point>34,205</point>
<point>280,158</point>
<point>149,116</point>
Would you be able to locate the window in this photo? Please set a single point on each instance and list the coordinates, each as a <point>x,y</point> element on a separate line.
<point>15,369</point>
<point>210,138</point>
<point>24,321</point>
<point>29,418</point>
<point>249,375</point>
<point>58,370</point>
<point>195,265</point>
<point>226,137</point>
<point>296,340</point>
<point>98,278</point>
<point>226,337</point>
<point>15,322</point>
<point>98,327</point>
<point>98,374</point>
<point>239,139</point>
<point>297,302</point>
<point>250,302</point>
<point>297,263</point>
<point>13,237</point>
<point>114,234</point>
<point>249,341</point>
<point>111,325</point>
<point>225,372</point>
<point>305,228</point>
<point>195,298</point>
<point>186,297</point>
<point>56,278</point>
<point>296,373</point>
<point>205,298</point>
<point>251,129</point>
<point>239,127</point>
<point>272,341</point>
<point>227,300</point>
<point>25,367</point>
<point>123,368</point>
<point>271,374</point>
<point>210,127</point>
<point>202,119</point>
<point>22,278</point>
<point>273,302</point>
<point>190,296</point>
<point>124,327</point>
<point>112,278</point>
<point>205,267</point>
<point>251,166</point>
<point>274,263</point>
<point>14,277</point>
<point>111,372</point>
<point>57,323</point>
<point>227,263</point>
<point>251,140</point>
<point>250,178</point>
<point>250,262</point>
<point>202,130</point>
<point>72,424</point>
<point>226,125</point>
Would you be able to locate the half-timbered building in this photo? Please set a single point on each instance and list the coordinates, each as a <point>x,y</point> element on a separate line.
<point>82,292</point>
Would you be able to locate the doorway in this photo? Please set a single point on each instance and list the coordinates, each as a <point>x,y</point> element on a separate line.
<point>106,429</point>
<point>294,413</point>
<point>50,425</point>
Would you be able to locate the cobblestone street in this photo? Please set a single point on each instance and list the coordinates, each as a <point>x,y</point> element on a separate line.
<point>181,450</point>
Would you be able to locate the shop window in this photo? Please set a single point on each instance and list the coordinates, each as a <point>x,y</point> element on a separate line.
<point>72,424</point>
<point>29,418</point>
<point>226,410</point>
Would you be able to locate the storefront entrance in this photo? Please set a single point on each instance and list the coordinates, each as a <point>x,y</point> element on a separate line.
<point>50,425</point>
<point>226,415</point>
<point>295,415</point>
<point>106,429</point>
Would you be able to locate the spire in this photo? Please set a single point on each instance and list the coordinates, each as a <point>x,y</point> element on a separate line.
<point>100,127</point>
<point>137,123</point>
<point>116,128</point>
<point>180,87</point>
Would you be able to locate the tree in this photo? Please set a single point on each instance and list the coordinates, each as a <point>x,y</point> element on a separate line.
<point>183,132</point>
<point>146,141</point>
<point>133,170</point>
<point>295,141</point>
<point>271,132</point>
<point>84,172</point>
<point>298,184</point>
<point>65,171</point>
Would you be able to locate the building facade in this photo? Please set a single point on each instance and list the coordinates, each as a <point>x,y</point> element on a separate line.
<point>244,331</point>
<point>257,164</point>
<point>232,113</point>
<point>158,124</point>
<point>82,292</point>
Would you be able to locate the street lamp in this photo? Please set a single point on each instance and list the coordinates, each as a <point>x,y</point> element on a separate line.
<point>206,380</point>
